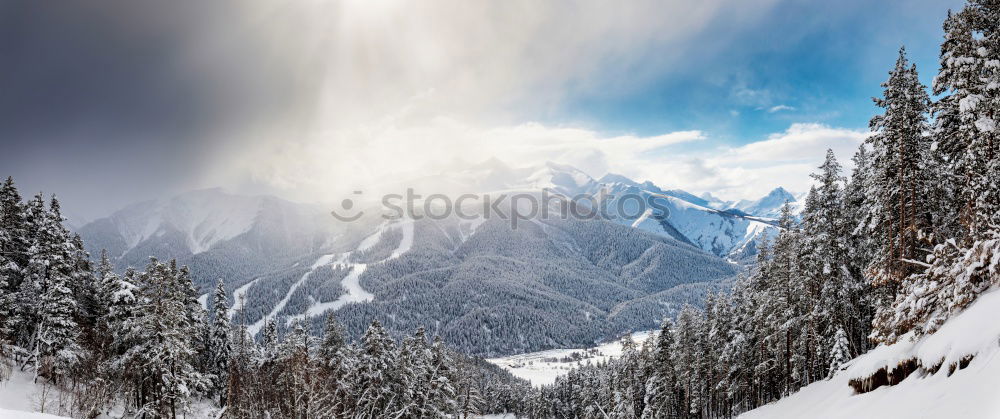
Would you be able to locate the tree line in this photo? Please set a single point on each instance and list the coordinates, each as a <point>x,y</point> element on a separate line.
<point>908,240</point>
<point>141,344</point>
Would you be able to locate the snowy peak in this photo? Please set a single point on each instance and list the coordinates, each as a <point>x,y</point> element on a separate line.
<point>769,205</point>
<point>561,178</point>
<point>202,218</point>
<point>209,216</point>
<point>612,178</point>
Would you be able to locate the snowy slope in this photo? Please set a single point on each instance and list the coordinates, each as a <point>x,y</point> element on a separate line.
<point>542,368</point>
<point>970,392</point>
<point>673,214</point>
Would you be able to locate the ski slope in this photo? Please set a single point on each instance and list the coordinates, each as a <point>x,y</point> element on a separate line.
<point>970,392</point>
<point>353,292</point>
<point>257,326</point>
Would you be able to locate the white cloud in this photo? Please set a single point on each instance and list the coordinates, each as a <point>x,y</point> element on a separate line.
<point>779,108</point>
<point>390,86</point>
<point>342,161</point>
<point>751,170</point>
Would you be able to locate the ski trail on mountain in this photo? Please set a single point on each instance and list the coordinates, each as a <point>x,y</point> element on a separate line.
<point>238,297</point>
<point>323,260</point>
<point>354,292</point>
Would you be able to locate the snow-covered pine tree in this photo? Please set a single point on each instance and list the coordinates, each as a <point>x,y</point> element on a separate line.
<point>739,353</point>
<point>660,398</point>
<point>119,324</point>
<point>957,85</point>
<point>162,354</point>
<point>333,340</point>
<point>981,110</point>
<point>375,371</point>
<point>624,372</point>
<point>334,367</point>
<point>827,229</point>
<point>900,213</point>
<point>686,336</point>
<point>409,367</point>
<point>245,396</point>
<point>14,243</point>
<point>28,295</point>
<point>860,243</point>
<point>269,341</point>
<point>839,353</point>
<point>51,267</point>
<point>441,399</point>
<point>781,310</point>
<point>296,374</point>
<point>220,342</point>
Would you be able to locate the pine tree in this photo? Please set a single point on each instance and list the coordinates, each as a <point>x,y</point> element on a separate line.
<point>118,325</point>
<point>269,341</point>
<point>898,142</point>
<point>858,209</point>
<point>51,270</point>
<point>839,295</point>
<point>375,371</point>
<point>13,259</point>
<point>441,395</point>
<point>660,387</point>
<point>839,353</point>
<point>220,343</point>
<point>334,358</point>
<point>163,350</point>
<point>296,376</point>
<point>333,340</point>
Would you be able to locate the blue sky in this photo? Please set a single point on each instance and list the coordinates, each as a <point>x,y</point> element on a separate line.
<point>804,62</point>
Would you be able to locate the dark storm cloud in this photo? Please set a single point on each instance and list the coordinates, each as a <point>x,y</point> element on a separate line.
<point>124,96</point>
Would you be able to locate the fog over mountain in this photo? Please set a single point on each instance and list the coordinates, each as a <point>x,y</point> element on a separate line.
<point>484,285</point>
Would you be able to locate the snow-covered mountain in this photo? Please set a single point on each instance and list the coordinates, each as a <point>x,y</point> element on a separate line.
<point>710,224</point>
<point>685,217</point>
<point>769,206</point>
<point>485,287</point>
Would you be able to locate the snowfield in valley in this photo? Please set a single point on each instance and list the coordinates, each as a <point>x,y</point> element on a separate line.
<point>542,368</point>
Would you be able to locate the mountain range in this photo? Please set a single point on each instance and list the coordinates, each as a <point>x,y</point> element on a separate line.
<point>484,286</point>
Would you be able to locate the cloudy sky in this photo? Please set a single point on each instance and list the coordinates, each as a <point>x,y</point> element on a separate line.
<point>111,102</point>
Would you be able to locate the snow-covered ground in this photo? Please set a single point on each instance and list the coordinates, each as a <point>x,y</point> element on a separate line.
<point>541,368</point>
<point>972,392</point>
<point>19,395</point>
<point>20,414</point>
<point>23,398</point>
